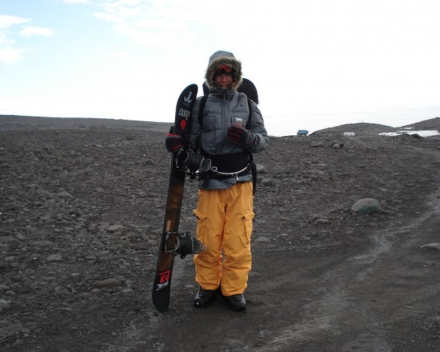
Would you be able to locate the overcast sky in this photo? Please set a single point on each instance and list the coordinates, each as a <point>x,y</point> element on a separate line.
<point>316,63</point>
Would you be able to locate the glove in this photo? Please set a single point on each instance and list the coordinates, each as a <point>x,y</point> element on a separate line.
<point>238,134</point>
<point>173,142</point>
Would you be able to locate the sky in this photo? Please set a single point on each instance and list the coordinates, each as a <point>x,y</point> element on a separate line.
<point>316,63</point>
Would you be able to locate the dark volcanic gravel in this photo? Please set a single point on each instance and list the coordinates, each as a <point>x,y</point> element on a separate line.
<point>81,211</point>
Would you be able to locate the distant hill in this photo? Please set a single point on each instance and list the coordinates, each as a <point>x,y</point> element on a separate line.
<point>432,124</point>
<point>373,129</point>
<point>17,122</point>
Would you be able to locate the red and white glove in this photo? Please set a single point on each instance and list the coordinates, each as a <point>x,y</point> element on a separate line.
<point>173,142</point>
<point>238,134</point>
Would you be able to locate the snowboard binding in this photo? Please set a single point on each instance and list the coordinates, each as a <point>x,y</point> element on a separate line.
<point>182,243</point>
<point>193,162</point>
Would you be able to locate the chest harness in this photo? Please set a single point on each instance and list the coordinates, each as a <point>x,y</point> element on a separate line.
<point>244,160</point>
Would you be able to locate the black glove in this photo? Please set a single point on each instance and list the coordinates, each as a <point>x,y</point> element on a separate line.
<point>238,134</point>
<point>173,142</point>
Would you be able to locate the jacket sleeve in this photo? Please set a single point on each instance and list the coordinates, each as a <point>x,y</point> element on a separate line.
<point>259,139</point>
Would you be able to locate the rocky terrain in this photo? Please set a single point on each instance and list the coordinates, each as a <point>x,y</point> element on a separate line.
<point>81,210</point>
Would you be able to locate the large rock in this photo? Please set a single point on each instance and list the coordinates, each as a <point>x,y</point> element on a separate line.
<point>366,206</point>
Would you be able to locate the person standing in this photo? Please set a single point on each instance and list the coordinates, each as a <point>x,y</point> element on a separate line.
<point>231,128</point>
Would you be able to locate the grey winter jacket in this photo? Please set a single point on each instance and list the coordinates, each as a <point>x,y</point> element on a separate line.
<point>220,112</point>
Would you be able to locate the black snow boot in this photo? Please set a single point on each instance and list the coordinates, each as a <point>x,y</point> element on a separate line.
<point>237,302</point>
<point>204,298</point>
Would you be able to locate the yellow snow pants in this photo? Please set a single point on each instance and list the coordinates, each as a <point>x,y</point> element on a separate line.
<point>224,226</point>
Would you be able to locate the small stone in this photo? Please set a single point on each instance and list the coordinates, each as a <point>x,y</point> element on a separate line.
<point>42,243</point>
<point>55,258</point>
<point>268,182</point>
<point>323,221</point>
<point>366,206</point>
<point>435,246</point>
<point>107,283</point>
<point>317,144</point>
<point>64,195</point>
<point>115,228</point>
<point>260,169</point>
<point>3,304</point>
<point>262,239</point>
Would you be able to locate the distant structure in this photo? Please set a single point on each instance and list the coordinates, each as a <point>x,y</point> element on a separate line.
<point>302,133</point>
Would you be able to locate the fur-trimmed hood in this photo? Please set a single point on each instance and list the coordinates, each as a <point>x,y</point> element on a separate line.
<point>223,58</point>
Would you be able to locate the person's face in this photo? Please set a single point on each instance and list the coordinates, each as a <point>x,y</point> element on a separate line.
<point>224,80</point>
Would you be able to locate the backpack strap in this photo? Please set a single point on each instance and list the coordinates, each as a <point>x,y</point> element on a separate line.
<point>201,108</point>
<point>250,113</point>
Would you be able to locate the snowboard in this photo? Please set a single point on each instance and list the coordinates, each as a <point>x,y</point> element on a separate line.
<point>170,237</point>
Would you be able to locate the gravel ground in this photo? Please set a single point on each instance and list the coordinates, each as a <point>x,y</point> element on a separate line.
<point>81,211</point>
